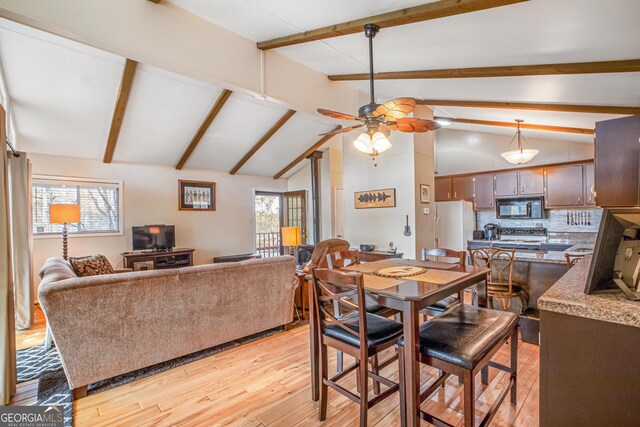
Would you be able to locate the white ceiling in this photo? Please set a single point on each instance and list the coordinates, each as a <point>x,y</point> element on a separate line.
<point>535,32</point>
<point>63,92</point>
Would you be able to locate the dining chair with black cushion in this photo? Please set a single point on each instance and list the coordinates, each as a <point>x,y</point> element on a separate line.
<point>321,250</point>
<point>343,259</point>
<point>357,333</point>
<point>462,342</point>
<point>454,257</point>
<point>499,282</point>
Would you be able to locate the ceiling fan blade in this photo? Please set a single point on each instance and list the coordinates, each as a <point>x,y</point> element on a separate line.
<point>396,108</point>
<point>337,115</point>
<point>415,125</point>
<point>342,130</point>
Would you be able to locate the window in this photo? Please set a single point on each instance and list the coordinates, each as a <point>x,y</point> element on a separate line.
<point>100,205</point>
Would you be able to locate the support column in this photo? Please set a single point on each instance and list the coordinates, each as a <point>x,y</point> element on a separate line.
<point>315,192</point>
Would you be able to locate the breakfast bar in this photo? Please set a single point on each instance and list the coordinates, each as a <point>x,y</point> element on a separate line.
<point>589,374</point>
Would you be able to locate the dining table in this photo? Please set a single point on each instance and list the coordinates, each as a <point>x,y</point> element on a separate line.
<point>408,295</point>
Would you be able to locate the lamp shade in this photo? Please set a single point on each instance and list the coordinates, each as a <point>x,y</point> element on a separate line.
<point>518,157</point>
<point>64,213</point>
<point>290,236</point>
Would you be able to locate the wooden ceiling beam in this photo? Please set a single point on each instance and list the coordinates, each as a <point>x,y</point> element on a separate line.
<point>622,66</point>
<point>222,99</point>
<point>121,106</point>
<point>522,125</point>
<point>425,12</point>
<point>568,108</point>
<point>304,155</point>
<point>262,141</point>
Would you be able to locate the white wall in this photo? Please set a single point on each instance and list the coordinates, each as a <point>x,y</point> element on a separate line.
<point>151,197</point>
<point>424,152</point>
<point>463,151</point>
<point>395,170</point>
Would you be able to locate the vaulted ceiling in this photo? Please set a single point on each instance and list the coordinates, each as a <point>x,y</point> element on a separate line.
<point>527,33</point>
<point>64,92</point>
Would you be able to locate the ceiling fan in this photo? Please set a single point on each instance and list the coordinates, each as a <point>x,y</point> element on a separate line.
<point>380,119</point>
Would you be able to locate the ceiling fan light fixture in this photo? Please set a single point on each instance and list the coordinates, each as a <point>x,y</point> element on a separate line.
<point>380,142</point>
<point>363,143</point>
<point>520,155</point>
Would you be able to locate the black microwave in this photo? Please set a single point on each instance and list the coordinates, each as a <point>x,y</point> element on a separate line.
<point>520,208</point>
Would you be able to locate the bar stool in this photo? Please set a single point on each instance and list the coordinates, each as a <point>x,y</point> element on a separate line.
<point>461,342</point>
<point>572,260</point>
<point>499,282</point>
<point>357,333</point>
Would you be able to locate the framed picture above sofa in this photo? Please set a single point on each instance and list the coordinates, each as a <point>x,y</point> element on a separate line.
<point>196,195</point>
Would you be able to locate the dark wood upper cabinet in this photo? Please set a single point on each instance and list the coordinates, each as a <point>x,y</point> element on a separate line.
<point>531,182</point>
<point>617,162</point>
<point>483,193</point>
<point>589,185</point>
<point>462,187</point>
<point>564,186</point>
<point>443,189</point>
<point>506,184</point>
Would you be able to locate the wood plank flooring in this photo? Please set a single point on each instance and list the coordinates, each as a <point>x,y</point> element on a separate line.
<point>266,383</point>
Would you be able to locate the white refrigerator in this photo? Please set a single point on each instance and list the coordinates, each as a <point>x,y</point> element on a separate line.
<point>455,222</point>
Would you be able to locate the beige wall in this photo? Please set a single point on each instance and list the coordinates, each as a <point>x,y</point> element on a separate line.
<point>462,151</point>
<point>330,180</point>
<point>423,158</point>
<point>151,197</point>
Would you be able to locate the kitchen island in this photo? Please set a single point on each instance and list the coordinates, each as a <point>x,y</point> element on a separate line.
<point>589,352</point>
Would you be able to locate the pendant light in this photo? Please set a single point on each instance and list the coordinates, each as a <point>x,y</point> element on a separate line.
<point>520,155</point>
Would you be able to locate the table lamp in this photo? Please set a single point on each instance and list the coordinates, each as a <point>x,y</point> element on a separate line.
<point>291,238</point>
<point>64,214</point>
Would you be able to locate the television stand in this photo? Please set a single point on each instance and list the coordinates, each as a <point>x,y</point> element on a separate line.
<point>159,260</point>
<point>617,280</point>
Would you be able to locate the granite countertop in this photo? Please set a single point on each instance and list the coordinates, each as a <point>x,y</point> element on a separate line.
<point>567,297</point>
<point>553,257</point>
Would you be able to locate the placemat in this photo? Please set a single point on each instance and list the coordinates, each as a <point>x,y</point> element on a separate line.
<point>399,271</point>
<point>438,277</point>
<point>377,282</point>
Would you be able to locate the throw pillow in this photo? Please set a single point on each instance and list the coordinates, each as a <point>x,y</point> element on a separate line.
<point>91,265</point>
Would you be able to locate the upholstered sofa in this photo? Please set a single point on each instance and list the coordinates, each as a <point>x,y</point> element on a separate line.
<point>108,325</point>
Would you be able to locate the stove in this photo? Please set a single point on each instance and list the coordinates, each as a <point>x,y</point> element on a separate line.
<point>523,235</point>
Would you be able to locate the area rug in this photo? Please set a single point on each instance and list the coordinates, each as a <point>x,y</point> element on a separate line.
<point>53,389</point>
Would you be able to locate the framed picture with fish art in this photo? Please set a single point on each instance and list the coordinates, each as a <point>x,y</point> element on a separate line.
<point>375,199</point>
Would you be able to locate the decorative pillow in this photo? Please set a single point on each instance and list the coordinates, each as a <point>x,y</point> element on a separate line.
<point>91,265</point>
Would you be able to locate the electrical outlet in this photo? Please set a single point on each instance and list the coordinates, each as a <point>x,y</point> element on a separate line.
<point>425,211</point>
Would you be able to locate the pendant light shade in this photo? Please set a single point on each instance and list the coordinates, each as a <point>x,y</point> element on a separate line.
<point>363,143</point>
<point>380,142</point>
<point>520,155</point>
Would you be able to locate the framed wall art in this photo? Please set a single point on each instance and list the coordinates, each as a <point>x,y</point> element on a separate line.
<point>375,199</point>
<point>425,193</point>
<point>196,196</point>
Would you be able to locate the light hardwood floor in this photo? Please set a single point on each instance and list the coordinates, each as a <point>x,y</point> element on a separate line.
<point>266,383</point>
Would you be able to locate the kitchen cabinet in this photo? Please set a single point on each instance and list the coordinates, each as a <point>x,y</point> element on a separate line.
<point>565,186</point>
<point>443,188</point>
<point>531,182</point>
<point>506,184</point>
<point>483,193</point>
<point>589,185</point>
<point>462,188</point>
<point>617,162</point>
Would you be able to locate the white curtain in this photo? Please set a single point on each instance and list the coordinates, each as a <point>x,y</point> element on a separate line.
<point>7,324</point>
<point>19,171</point>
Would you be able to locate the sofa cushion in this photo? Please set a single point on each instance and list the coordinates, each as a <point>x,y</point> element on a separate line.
<point>91,265</point>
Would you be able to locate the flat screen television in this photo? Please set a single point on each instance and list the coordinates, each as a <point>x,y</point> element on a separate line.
<point>615,265</point>
<point>154,237</point>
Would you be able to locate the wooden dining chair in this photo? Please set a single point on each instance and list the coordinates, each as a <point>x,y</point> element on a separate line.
<point>357,333</point>
<point>462,342</point>
<point>343,259</point>
<point>572,260</point>
<point>499,282</point>
<point>452,257</point>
